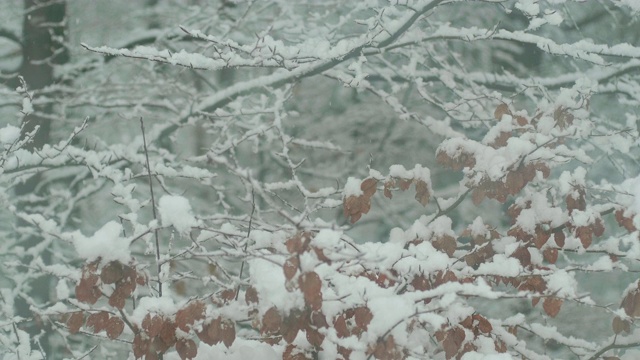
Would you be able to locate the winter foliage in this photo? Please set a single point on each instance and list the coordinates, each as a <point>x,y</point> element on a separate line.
<point>277,179</point>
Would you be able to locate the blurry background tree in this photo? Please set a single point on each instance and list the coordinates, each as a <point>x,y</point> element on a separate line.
<point>274,122</point>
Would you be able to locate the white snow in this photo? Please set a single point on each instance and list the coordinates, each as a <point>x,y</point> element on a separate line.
<point>9,134</point>
<point>352,187</point>
<point>176,211</point>
<point>106,243</point>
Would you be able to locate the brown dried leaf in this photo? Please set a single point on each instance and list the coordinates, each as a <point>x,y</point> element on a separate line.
<point>551,306</point>
<point>368,187</point>
<point>404,184</point>
<point>314,337</point>
<point>168,332</point>
<point>541,237</point>
<point>355,206</point>
<point>271,321</point>
<point>340,324</point>
<point>420,283</point>
<point>478,195</point>
<point>363,317</point>
<point>191,313</point>
<point>452,341</point>
<point>446,244</point>
<point>422,192</point>
<point>501,110</point>
<point>521,120</point>
<point>75,322</point>
<point>140,346</point>
<point>625,221</point>
<point>291,327</point>
<point>523,255</point>
<point>290,267</point>
<point>559,238</point>
<point>152,325</point>
<point>87,293</point>
<point>311,286</point>
<point>119,296</point>
<point>227,332</point>
<point>585,234</point>
<point>619,325</point>
<point>187,349</point>
<point>112,272</point>
<point>482,323</point>
<point>551,255</point>
<point>114,327</point>
<point>251,295</point>
<point>501,140</point>
<point>544,169</point>
<point>294,244</point>
<point>631,303</point>
<point>386,349</point>
<point>387,188</point>
<point>98,321</point>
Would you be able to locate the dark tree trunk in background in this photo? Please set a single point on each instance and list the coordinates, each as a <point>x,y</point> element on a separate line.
<point>44,36</point>
<point>43,47</point>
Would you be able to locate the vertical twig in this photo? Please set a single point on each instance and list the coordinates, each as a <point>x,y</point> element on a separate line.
<point>153,207</point>
<point>253,209</point>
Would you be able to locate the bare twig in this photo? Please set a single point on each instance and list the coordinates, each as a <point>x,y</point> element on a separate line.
<point>153,207</point>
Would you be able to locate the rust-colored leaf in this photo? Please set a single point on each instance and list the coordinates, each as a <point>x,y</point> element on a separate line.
<point>422,192</point>
<point>112,272</point>
<point>482,323</point>
<point>291,326</point>
<point>152,325</point>
<point>420,283</point>
<point>386,349</point>
<point>140,346</point>
<point>551,255</point>
<point>188,315</point>
<point>619,325</point>
<point>523,255</point>
<point>114,327</point>
<point>98,321</point>
<point>368,187</point>
<point>75,321</point>
<point>119,297</point>
<point>168,332</point>
<point>363,317</point>
<point>585,234</point>
<point>631,303</point>
<point>625,221</point>
<point>271,321</point>
<point>290,267</point>
<point>521,120</point>
<point>251,295</point>
<point>187,349</point>
<point>551,306</point>
<point>559,238</point>
<point>355,206</point>
<point>445,243</point>
<point>387,188</point>
<point>227,332</point>
<point>477,196</point>
<point>314,337</point>
<point>311,285</point>
<point>88,293</point>
<point>501,110</point>
<point>452,341</point>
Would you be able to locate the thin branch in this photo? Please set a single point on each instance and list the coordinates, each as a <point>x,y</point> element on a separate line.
<point>153,207</point>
